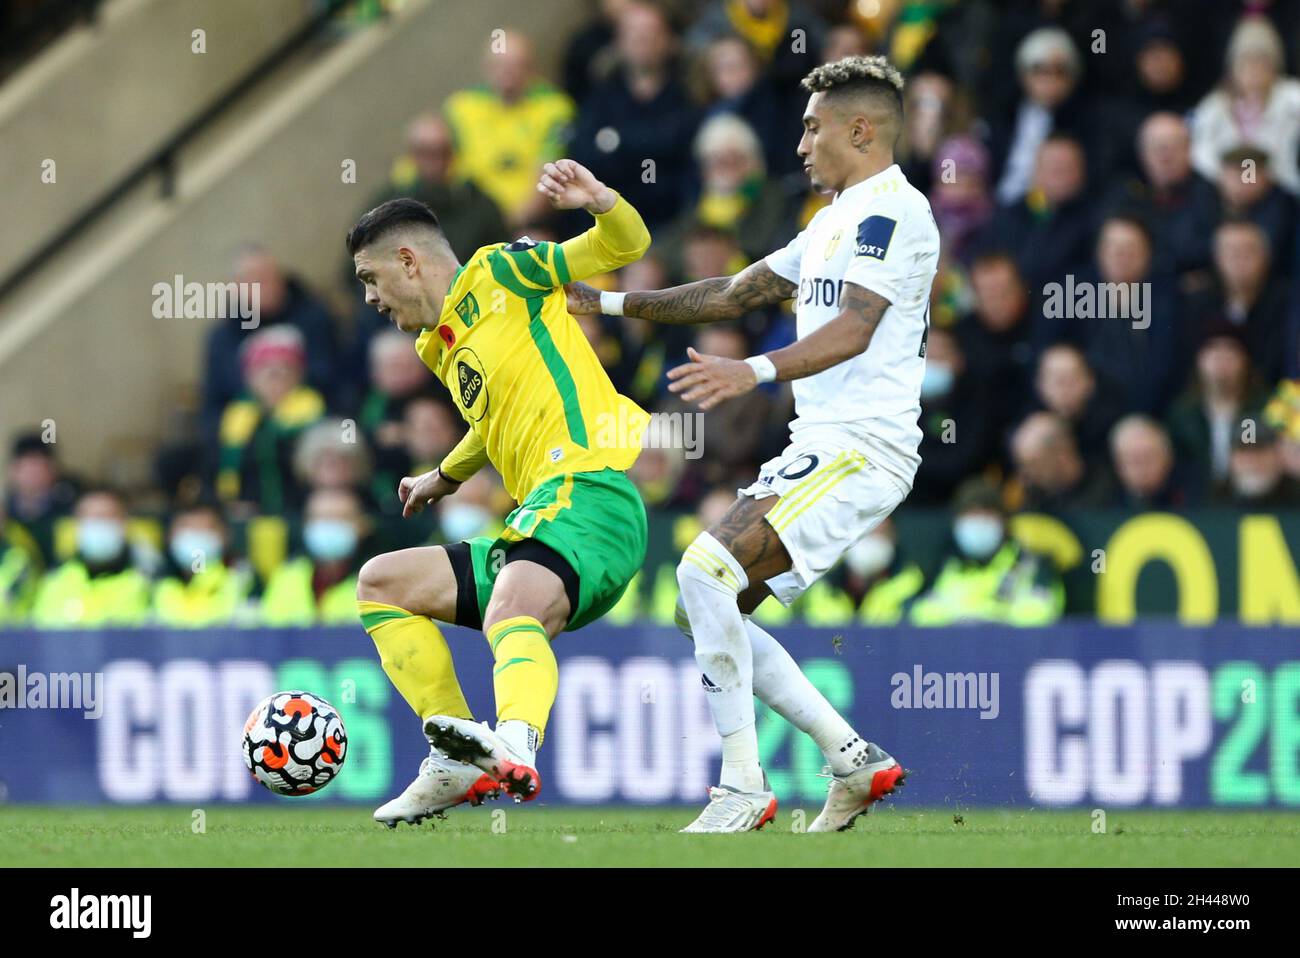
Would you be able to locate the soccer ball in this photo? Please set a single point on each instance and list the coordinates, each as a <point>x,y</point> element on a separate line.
<point>294,743</point>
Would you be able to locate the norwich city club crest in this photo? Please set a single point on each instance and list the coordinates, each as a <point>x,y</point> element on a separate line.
<point>467,309</point>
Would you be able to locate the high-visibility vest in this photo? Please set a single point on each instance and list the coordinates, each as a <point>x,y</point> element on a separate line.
<point>216,596</point>
<point>71,596</point>
<point>290,600</point>
<point>885,601</point>
<point>17,578</point>
<point>1006,589</point>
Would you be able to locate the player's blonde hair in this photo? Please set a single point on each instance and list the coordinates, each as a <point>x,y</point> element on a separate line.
<point>852,71</point>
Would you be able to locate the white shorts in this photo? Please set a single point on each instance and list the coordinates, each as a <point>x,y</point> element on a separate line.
<point>831,496</point>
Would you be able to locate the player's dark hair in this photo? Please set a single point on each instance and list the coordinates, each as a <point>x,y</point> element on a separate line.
<point>385,218</point>
<point>859,75</point>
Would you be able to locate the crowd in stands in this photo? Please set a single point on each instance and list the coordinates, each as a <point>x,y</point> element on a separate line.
<point>1145,154</point>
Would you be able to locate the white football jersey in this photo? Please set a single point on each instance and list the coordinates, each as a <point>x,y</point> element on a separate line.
<point>881,235</point>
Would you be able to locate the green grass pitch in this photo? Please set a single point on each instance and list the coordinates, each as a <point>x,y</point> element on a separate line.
<point>523,835</point>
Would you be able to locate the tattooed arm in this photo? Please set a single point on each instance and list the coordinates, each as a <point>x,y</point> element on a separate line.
<point>708,380</point>
<point>707,301</point>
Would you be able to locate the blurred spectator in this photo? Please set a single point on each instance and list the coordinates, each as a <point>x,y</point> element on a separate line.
<point>397,377</point>
<point>430,429</point>
<point>957,421</point>
<point>1245,296</point>
<point>989,577</point>
<point>506,129</point>
<point>641,115</point>
<point>473,510</point>
<point>736,86</point>
<point>999,337</point>
<point>845,40</point>
<point>202,583</point>
<point>466,214</point>
<point>283,302</point>
<point>877,579</point>
<point>101,585</point>
<point>260,429</point>
<point>1255,105</point>
<point>20,568</point>
<point>1256,476</point>
<point>1049,68</point>
<point>929,118</point>
<point>768,26</point>
<point>1178,205</point>
<point>1049,229</point>
<point>37,494</point>
<point>1134,340</point>
<point>1053,476</point>
<point>1065,385</point>
<point>1247,191</point>
<point>1221,402</point>
<point>657,472</point>
<point>331,455</point>
<point>736,197</point>
<point>648,345</point>
<point>731,431</point>
<point>959,195</point>
<point>591,55</point>
<point>1143,458</point>
<point>319,586</point>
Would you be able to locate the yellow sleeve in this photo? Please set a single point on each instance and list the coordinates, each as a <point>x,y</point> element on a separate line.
<point>618,238</point>
<point>530,269</point>
<point>469,456</point>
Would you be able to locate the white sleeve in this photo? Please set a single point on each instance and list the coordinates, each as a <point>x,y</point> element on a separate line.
<point>785,261</point>
<point>879,260</point>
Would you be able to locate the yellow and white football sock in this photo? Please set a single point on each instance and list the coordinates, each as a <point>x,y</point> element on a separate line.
<point>416,659</point>
<point>526,679</point>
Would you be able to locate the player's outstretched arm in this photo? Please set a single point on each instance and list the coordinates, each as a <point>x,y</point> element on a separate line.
<point>708,380</point>
<point>706,301</point>
<point>619,236</point>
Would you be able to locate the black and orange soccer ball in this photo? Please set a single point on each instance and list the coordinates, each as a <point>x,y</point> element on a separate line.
<point>294,743</point>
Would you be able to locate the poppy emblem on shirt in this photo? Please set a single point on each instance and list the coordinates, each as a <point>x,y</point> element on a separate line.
<point>447,335</point>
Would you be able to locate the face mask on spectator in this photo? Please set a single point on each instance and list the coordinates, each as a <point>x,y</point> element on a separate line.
<point>937,381</point>
<point>329,539</point>
<point>461,521</point>
<point>869,555</point>
<point>195,547</point>
<point>978,537</point>
<point>100,540</point>
<point>1252,485</point>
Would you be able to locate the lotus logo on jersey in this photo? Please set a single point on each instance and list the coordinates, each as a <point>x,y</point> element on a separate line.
<point>471,384</point>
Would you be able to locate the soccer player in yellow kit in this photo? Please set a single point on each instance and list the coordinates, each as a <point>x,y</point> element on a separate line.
<point>541,409</point>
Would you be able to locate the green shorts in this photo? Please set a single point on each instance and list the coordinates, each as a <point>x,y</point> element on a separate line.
<point>595,520</point>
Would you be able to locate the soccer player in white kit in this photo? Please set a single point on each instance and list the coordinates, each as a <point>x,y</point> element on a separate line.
<point>860,274</point>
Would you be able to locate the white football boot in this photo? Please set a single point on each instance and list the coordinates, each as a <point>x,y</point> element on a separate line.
<point>849,796</point>
<point>441,784</point>
<point>465,740</point>
<point>730,810</point>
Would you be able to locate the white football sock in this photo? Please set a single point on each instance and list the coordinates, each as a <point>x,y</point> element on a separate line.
<point>781,684</point>
<point>521,738</point>
<point>710,580</point>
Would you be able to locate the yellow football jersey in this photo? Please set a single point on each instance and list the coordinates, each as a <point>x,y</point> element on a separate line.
<point>519,367</point>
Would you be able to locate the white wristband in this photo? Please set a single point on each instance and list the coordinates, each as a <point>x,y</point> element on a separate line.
<point>611,304</point>
<point>763,368</point>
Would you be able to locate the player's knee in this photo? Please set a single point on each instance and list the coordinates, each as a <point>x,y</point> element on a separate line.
<point>706,564</point>
<point>378,581</point>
